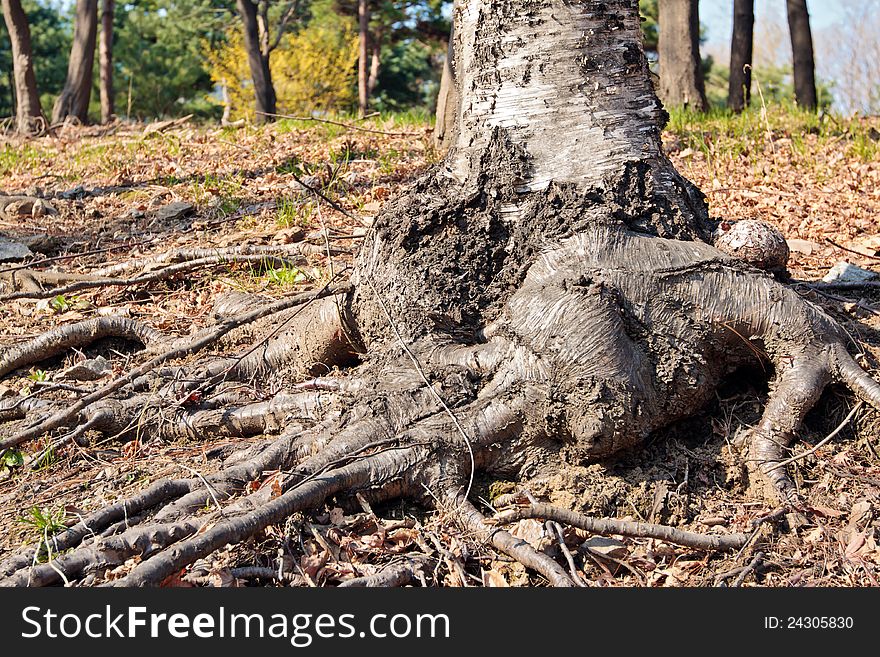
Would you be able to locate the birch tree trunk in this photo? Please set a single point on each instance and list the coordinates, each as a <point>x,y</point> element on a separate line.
<point>681,75</point>
<point>544,298</point>
<point>27,99</point>
<point>74,98</point>
<point>105,56</point>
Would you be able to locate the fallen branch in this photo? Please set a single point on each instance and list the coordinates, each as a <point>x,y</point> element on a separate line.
<point>393,575</point>
<point>158,275</point>
<point>185,255</point>
<point>608,527</point>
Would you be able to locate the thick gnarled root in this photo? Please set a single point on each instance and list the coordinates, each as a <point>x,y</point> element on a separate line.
<point>799,385</point>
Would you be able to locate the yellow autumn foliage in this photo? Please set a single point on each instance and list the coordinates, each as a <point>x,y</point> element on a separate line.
<point>312,70</point>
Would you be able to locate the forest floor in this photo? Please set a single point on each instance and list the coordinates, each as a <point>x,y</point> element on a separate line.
<point>816,178</point>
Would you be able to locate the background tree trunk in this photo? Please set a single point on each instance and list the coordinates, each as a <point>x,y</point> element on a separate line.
<point>363,56</point>
<point>802,54</point>
<point>681,74</point>
<point>27,105</point>
<point>105,55</point>
<point>740,88</point>
<point>74,98</point>
<point>258,61</point>
<point>375,63</point>
<point>447,101</point>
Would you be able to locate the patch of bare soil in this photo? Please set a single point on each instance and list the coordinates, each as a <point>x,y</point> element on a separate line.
<point>313,189</point>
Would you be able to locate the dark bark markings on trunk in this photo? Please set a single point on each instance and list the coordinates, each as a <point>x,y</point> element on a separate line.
<point>258,62</point>
<point>26,97</point>
<point>74,98</point>
<point>802,54</point>
<point>681,75</point>
<point>740,88</point>
<point>105,55</point>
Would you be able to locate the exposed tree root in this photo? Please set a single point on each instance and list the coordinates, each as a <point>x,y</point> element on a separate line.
<point>76,336</point>
<point>206,337</point>
<point>568,373</point>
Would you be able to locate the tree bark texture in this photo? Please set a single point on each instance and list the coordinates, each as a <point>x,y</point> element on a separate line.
<point>802,54</point>
<point>105,56</point>
<point>363,56</point>
<point>27,98</point>
<point>74,98</point>
<point>681,74</point>
<point>447,101</point>
<point>258,61</point>
<point>740,86</point>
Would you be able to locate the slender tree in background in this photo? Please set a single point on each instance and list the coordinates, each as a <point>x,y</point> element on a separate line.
<point>363,56</point>
<point>802,54</point>
<point>259,44</point>
<point>681,74</point>
<point>256,43</point>
<point>27,106</point>
<point>74,98</point>
<point>740,87</point>
<point>105,59</point>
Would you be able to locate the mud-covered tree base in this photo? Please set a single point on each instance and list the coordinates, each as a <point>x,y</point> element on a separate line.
<point>607,336</point>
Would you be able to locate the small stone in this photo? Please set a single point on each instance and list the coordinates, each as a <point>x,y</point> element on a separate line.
<point>88,370</point>
<point>174,211</point>
<point>77,192</point>
<point>13,251</point>
<point>607,547</point>
<point>802,246</point>
<point>844,272</point>
<point>756,242</point>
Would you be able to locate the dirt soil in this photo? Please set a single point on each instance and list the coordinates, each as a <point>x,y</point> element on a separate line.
<point>108,185</point>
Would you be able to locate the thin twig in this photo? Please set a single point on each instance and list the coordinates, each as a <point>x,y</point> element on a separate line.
<point>843,248</point>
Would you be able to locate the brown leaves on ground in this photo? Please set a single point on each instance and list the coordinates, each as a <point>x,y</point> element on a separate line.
<point>819,182</point>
